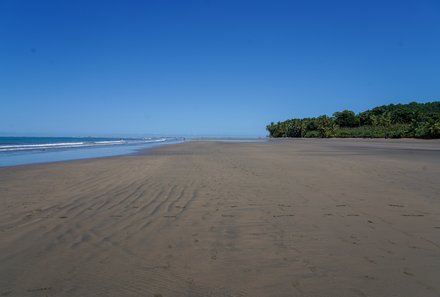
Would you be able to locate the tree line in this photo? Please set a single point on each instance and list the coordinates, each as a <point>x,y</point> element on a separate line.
<point>413,120</point>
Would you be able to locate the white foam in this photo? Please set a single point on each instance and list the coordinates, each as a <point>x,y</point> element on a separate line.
<point>44,146</point>
<point>22,147</point>
<point>111,142</point>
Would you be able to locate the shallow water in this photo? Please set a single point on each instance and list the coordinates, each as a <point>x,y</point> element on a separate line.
<point>55,150</point>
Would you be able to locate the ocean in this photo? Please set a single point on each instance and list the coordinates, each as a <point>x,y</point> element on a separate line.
<point>30,150</point>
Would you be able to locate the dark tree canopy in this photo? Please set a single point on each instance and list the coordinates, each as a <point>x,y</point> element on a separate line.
<point>420,120</point>
<point>346,118</point>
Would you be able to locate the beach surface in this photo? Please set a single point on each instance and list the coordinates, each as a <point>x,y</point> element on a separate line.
<point>280,218</point>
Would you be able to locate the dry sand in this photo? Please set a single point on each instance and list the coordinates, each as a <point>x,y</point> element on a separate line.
<point>286,218</point>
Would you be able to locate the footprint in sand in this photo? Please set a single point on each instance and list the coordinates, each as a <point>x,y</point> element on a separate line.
<point>39,289</point>
<point>369,260</point>
<point>396,205</point>
<point>283,215</point>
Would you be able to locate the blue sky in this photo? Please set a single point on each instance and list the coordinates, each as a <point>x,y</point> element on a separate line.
<point>208,67</point>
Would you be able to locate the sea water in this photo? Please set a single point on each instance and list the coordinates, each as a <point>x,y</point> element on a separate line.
<point>30,150</point>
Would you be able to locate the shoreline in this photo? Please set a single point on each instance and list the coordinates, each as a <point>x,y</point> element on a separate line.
<point>78,154</point>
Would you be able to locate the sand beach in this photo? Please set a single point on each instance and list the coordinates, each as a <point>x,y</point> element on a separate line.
<point>280,218</point>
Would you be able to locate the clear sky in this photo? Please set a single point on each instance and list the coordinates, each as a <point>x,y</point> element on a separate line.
<point>208,67</point>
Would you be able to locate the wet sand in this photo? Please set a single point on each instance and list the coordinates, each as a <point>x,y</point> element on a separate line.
<point>284,218</point>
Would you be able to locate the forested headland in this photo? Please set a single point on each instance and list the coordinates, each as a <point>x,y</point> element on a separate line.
<point>413,120</point>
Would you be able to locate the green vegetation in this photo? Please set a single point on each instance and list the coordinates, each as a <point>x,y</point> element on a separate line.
<point>413,120</point>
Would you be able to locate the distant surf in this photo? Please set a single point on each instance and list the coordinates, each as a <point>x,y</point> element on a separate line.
<point>11,144</point>
<point>28,150</point>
